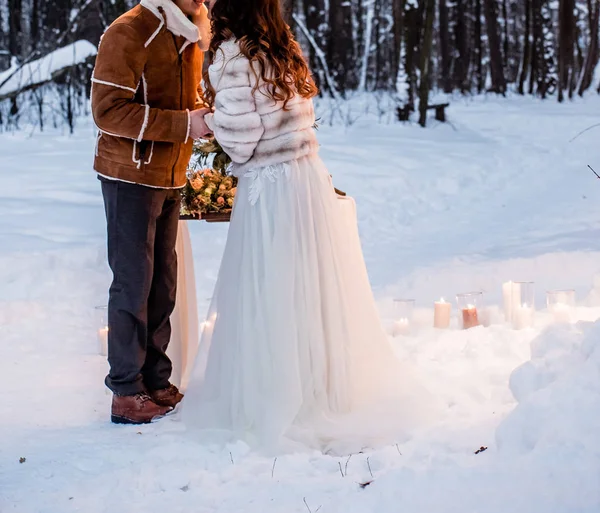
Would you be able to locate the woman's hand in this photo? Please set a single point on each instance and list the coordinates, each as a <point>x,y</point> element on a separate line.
<point>198,128</point>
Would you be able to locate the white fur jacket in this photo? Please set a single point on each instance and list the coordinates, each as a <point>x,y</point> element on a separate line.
<point>252,128</point>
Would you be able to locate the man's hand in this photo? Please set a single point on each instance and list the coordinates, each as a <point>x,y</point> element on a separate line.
<point>198,128</point>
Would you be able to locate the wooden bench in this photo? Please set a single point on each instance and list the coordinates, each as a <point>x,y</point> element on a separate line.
<point>440,111</point>
<point>403,113</point>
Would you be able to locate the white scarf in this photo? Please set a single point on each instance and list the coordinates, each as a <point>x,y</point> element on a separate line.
<point>179,24</point>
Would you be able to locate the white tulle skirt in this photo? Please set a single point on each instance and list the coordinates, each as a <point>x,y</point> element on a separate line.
<point>293,353</point>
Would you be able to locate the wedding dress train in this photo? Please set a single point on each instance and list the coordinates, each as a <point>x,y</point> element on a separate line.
<point>293,353</point>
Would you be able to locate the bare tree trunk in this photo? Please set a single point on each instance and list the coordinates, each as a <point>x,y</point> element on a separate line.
<point>545,47</point>
<point>496,66</point>
<point>313,15</point>
<point>398,14</point>
<point>592,55</point>
<point>445,47</point>
<point>4,53</point>
<point>461,64</point>
<point>516,34</point>
<point>479,48</point>
<point>425,67</point>
<point>413,28</point>
<point>578,61</point>
<point>526,48</point>
<point>339,45</point>
<point>566,24</point>
<point>537,35</point>
<point>34,30</point>
<point>369,12</point>
<point>14,28</point>
<point>506,39</point>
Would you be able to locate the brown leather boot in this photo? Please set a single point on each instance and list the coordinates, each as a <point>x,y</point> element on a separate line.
<point>170,396</point>
<point>136,409</point>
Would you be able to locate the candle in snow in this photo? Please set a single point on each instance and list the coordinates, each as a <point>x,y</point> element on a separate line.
<point>103,341</point>
<point>561,312</point>
<point>441,314</point>
<point>511,293</point>
<point>522,316</point>
<point>401,327</point>
<point>469,317</point>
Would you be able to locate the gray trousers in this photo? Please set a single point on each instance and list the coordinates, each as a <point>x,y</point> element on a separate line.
<point>142,232</point>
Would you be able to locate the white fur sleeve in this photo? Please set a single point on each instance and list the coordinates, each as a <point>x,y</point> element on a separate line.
<point>235,122</point>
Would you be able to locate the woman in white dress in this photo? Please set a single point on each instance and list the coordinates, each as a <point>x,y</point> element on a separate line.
<point>293,351</point>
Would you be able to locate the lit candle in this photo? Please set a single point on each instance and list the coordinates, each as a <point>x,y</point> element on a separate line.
<point>511,293</point>
<point>103,341</point>
<point>561,312</point>
<point>401,327</point>
<point>469,317</point>
<point>522,316</point>
<point>441,314</point>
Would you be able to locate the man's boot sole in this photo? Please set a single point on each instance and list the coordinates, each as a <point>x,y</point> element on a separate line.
<point>165,405</point>
<point>116,419</point>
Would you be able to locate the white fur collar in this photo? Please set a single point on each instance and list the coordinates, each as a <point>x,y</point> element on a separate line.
<point>177,22</point>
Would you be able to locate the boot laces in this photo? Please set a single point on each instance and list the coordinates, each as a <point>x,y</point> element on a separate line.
<point>143,397</point>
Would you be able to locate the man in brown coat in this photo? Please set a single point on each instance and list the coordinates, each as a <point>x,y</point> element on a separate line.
<point>147,105</point>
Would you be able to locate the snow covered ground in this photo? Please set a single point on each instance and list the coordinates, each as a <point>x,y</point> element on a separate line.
<point>499,193</point>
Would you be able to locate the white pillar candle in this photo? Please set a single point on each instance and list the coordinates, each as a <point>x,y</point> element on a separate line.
<point>103,341</point>
<point>401,327</point>
<point>561,312</point>
<point>441,314</point>
<point>511,293</point>
<point>522,316</point>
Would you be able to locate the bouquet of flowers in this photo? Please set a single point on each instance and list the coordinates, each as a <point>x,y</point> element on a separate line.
<point>209,187</point>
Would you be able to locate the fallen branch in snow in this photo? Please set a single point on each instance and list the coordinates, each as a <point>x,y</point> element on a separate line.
<point>365,484</point>
<point>308,507</point>
<point>31,57</point>
<point>33,74</point>
<point>346,467</point>
<point>369,465</point>
<point>481,449</point>
<point>341,471</point>
<point>398,449</point>
<point>273,469</point>
<point>231,457</point>
<point>76,12</point>
<point>593,171</point>
<point>584,131</point>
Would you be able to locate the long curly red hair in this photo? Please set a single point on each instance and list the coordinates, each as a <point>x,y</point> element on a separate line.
<point>264,37</point>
